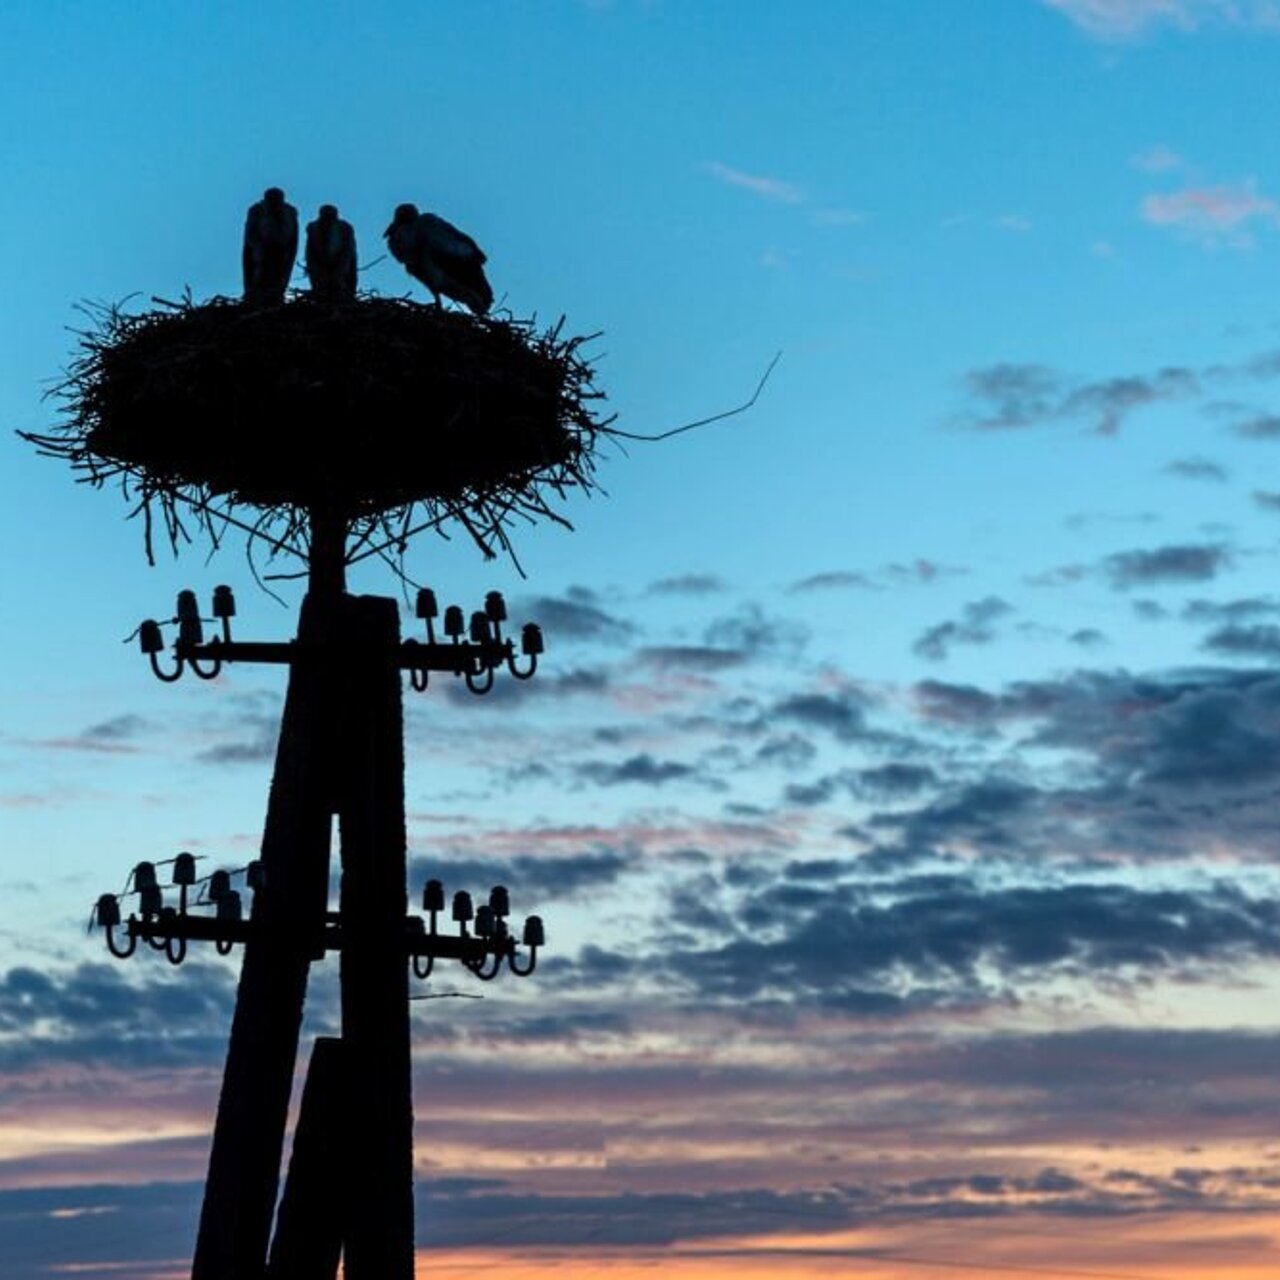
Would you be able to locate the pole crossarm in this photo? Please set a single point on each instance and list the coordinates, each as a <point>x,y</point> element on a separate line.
<point>483,941</point>
<point>460,659</point>
<point>172,925</point>
<point>472,650</point>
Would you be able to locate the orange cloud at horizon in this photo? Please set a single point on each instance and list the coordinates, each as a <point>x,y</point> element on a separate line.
<point>1149,1247</point>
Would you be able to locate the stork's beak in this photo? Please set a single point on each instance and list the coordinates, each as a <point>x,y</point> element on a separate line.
<point>386,235</point>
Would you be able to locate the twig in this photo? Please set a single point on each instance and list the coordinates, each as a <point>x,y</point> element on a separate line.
<point>701,422</point>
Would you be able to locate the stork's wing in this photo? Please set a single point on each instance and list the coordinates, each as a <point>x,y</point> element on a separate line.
<point>446,239</point>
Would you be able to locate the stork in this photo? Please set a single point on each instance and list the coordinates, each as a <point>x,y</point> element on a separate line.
<point>331,256</point>
<point>446,260</point>
<point>270,247</point>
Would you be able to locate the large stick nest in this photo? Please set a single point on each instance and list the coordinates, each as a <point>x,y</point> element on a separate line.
<point>392,415</point>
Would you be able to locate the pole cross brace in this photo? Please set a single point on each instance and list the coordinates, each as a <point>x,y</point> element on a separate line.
<point>460,659</point>
<point>418,942</point>
<point>474,650</point>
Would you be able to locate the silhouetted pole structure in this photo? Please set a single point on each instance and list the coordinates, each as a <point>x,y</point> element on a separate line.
<point>327,569</point>
<point>248,1139</point>
<point>375,970</point>
<point>478,421</point>
<point>341,751</point>
<point>312,1217</point>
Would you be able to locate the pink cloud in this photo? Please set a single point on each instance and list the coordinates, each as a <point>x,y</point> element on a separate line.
<point>1212,215</point>
<point>1126,19</point>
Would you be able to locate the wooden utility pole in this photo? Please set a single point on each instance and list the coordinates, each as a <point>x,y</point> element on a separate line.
<point>312,1217</point>
<point>253,1109</point>
<point>341,753</point>
<point>375,972</point>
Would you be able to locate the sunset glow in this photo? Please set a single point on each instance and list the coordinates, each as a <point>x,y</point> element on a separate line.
<point>900,785</point>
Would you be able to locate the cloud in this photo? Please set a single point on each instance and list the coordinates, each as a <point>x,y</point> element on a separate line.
<point>947,938</point>
<point>1158,159</point>
<point>755,633</point>
<point>972,628</point>
<point>946,1129</point>
<point>532,877</point>
<point>103,1013</point>
<point>118,729</point>
<point>1168,1060</point>
<point>995,813</point>
<point>993,1208</point>
<point>116,736</point>
<point>989,880</point>
<point>838,217</point>
<point>1196,468</point>
<point>642,770</point>
<point>1121,20</point>
<point>789,750</point>
<point>958,704</point>
<point>892,781</point>
<point>835,580</point>
<point>921,570</point>
<point>820,791</point>
<point>758,184</point>
<point>1209,732</point>
<point>916,572</point>
<point>1082,520</point>
<point>1212,216</point>
<point>842,714</point>
<point>98,1230</point>
<point>232,753</point>
<point>1218,611</point>
<point>704,658</point>
<point>1011,396</point>
<point>1155,768</point>
<point>1264,365</point>
<point>1108,402</point>
<point>573,682</point>
<point>253,722</point>
<point>688,584</point>
<point>1185,563</point>
<point>1261,640</point>
<point>1264,426</point>
<point>577,615</point>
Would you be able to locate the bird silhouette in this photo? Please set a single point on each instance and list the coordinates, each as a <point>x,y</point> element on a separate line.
<point>331,256</point>
<point>446,260</point>
<point>270,247</point>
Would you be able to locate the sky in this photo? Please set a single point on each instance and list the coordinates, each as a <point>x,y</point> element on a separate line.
<point>899,787</point>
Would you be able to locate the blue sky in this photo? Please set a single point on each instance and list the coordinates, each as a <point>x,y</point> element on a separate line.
<point>900,786</point>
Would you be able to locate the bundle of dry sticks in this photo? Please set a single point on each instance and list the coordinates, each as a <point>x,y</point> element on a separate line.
<point>398,416</point>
